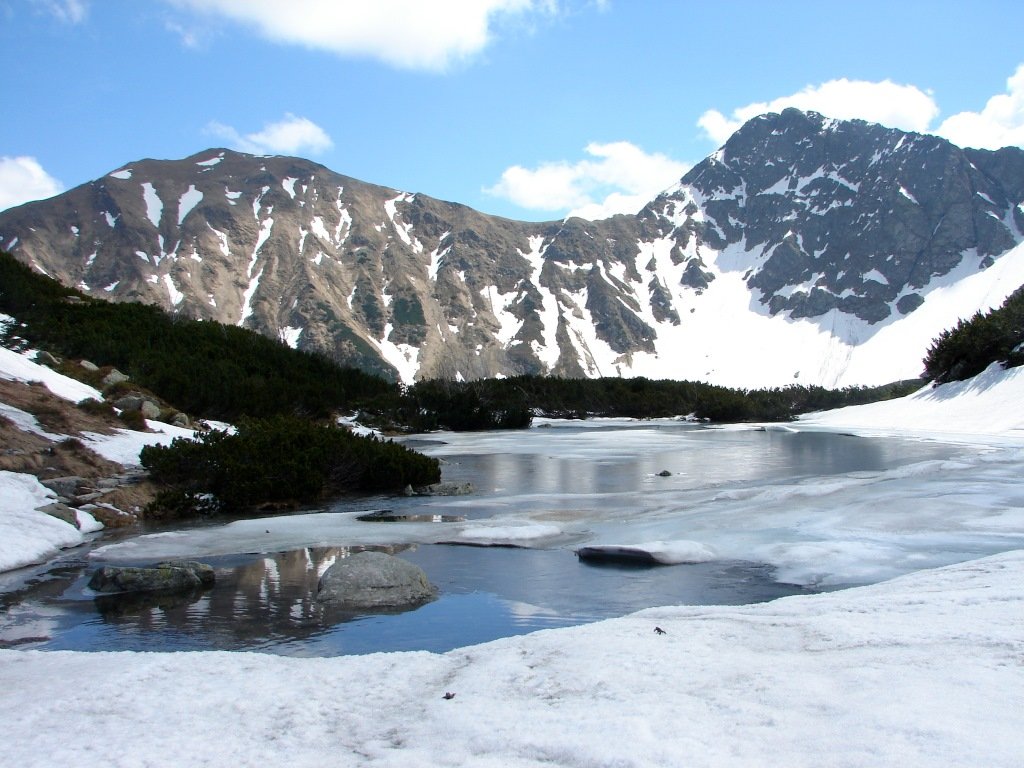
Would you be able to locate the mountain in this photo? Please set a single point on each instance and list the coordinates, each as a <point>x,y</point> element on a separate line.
<point>805,250</point>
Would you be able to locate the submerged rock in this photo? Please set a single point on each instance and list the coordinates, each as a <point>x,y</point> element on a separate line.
<point>440,489</point>
<point>175,576</point>
<point>387,516</point>
<point>368,580</point>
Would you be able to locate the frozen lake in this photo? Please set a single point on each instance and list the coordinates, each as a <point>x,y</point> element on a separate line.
<point>747,515</point>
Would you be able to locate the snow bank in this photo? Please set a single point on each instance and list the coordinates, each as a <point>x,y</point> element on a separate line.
<point>920,671</point>
<point>124,445</point>
<point>26,535</point>
<point>18,367</point>
<point>990,404</point>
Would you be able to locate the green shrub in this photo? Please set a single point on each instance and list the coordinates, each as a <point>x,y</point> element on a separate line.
<point>280,460</point>
<point>134,420</point>
<point>96,407</point>
<point>204,368</point>
<point>973,345</point>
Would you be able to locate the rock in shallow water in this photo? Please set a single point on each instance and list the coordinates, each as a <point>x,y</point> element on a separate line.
<point>374,580</point>
<point>175,576</point>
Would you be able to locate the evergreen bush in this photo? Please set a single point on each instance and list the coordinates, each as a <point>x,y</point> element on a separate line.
<point>282,460</point>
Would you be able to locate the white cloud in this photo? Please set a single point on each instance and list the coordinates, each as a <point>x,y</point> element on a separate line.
<point>23,179</point>
<point>898,106</point>
<point>190,36</point>
<point>411,34</point>
<point>68,11</point>
<point>289,136</point>
<point>999,124</point>
<point>621,179</point>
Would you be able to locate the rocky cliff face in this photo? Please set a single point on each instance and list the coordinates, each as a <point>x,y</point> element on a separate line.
<point>782,257</point>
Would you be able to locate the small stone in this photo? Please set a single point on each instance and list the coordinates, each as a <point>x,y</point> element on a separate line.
<point>89,366</point>
<point>664,473</point>
<point>444,489</point>
<point>114,377</point>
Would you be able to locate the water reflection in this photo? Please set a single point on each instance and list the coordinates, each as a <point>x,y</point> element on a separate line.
<point>693,456</point>
<point>268,603</point>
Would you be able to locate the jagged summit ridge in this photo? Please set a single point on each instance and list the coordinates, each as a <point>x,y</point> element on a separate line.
<point>847,214</point>
<point>804,250</point>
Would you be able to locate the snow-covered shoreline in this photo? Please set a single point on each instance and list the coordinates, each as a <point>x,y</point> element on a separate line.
<point>922,671</point>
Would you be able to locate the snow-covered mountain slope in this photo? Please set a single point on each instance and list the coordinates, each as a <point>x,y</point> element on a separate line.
<point>805,250</point>
<point>986,408</point>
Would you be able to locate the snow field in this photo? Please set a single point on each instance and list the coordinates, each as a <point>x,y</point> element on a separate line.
<point>920,671</point>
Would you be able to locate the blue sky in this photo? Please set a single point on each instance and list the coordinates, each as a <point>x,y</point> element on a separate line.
<point>524,108</point>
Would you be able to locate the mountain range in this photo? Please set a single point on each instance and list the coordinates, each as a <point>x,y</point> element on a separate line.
<point>805,250</point>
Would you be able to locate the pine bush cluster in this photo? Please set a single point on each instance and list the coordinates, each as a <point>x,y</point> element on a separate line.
<point>973,345</point>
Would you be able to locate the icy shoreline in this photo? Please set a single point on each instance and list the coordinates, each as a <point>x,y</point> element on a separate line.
<point>923,670</point>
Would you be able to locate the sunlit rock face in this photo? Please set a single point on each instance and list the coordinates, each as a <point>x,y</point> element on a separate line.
<point>779,259</point>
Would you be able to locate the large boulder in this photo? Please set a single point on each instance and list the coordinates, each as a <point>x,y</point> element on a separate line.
<point>372,580</point>
<point>175,576</point>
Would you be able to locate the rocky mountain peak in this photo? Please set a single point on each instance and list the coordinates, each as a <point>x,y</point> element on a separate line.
<point>778,258</point>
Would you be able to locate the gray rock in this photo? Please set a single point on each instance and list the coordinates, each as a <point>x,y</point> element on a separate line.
<point>61,512</point>
<point>181,420</point>
<point>441,489</point>
<point>89,366</point>
<point>129,403</point>
<point>173,576</point>
<point>114,377</point>
<point>45,358</point>
<point>64,486</point>
<point>88,498</point>
<point>150,410</point>
<point>368,580</point>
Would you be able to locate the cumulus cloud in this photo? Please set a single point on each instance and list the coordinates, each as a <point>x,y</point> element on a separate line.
<point>22,179</point>
<point>999,124</point>
<point>619,178</point>
<point>289,136</point>
<point>410,34</point>
<point>67,11</point>
<point>898,106</point>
